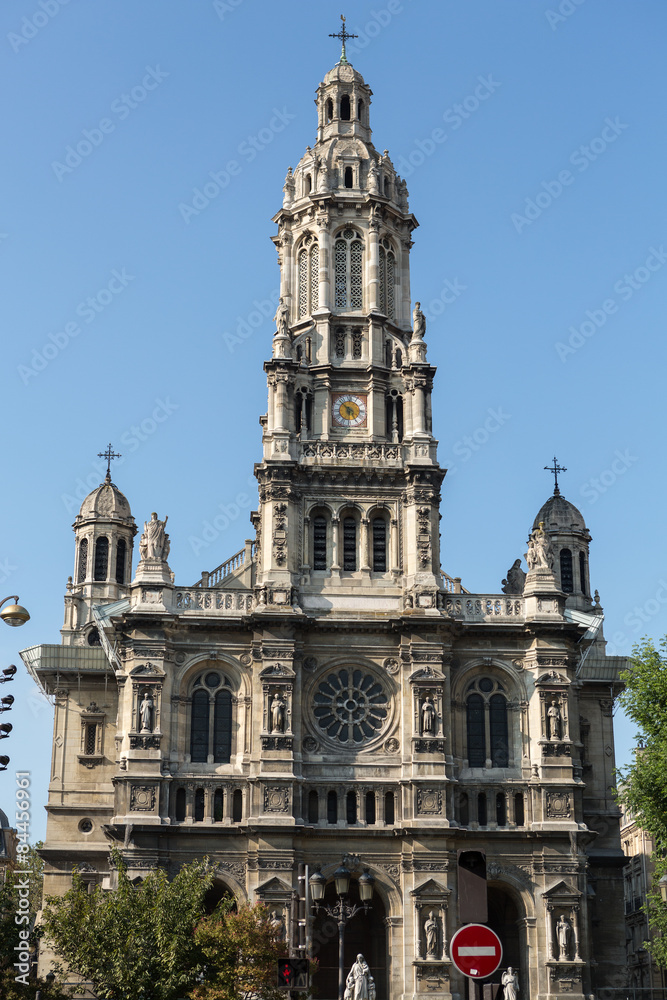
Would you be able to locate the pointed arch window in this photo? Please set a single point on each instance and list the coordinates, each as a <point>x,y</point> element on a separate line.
<point>309,276</point>
<point>566,571</point>
<point>211,720</point>
<point>486,724</point>
<point>101,558</point>
<point>83,561</point>
<point>387,262</point>
<point>121,553</point>
<point>348,270</point>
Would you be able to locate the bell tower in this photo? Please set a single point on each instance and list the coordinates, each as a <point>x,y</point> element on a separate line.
<point>349,483</point>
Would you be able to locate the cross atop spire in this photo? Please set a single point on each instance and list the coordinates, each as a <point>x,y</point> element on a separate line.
<point>555,469</point>
<point>343,34</point>
<point>109,454</point>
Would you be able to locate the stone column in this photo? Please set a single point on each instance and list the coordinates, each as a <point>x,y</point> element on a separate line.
<point>281,403</point>
<point>335,522</point>
<point>305,555</point>
<point>395,568</point>
<point>373,266</point>
<point>363,542</point>
<point>325,261</point>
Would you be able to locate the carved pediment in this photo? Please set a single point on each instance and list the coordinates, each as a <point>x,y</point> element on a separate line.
<point>277,671</point>
<point>430,890</point>
<point>562,894</point>
<point>552,677</point>
<point>428,674</point>
<point>275,888</point>
<point>146,668</point>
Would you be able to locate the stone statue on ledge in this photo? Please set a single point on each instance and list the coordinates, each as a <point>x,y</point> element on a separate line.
<point>360,985</point>
<point>516,579</point>
<point>418,323</point>
<point>540,554</point>
<point>154,544</point>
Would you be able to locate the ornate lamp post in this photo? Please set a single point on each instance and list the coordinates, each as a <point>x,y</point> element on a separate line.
<point>343,910</point>
<point>13,614</point>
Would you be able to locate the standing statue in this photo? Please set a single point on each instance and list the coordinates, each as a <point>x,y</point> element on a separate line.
<point>431,932</point>
<point>418,323</point>
<point>360,985</point>
<point>288,188</point>
<point>373,178</point>
<point>281,319</point>
<point>563,934</point>
<point>277,922</point>
<point>428,716</point>
<point>322,175</point>
<point>540,554</point>
<point>516,579</point>
<point>277,714</point>
<point>555,720</point>
<point>510,982</point>
<point>402,194</point>
<point>154,542</point>
<point>146,713</point>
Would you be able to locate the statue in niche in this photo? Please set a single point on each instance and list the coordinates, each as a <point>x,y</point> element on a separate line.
<point>288,188</point>
<point>418,323</point>
<point>428,716</point>
<point>281,319</point>
<point>516,579</point>
<point>360,985</point>
<point>431,933</point>
<point>402,194</point>
<point>277,922</point>
<point>563,935</point>
<point>322,175</point>
<point>277,714</point>
<point>540,554</point>
<point>154,542</point>
<point>373,178</point>
<point>510,983</point>
<point>146,713</point>
<point>555,721</point>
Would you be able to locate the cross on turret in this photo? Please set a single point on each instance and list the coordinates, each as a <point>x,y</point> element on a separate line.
<point>555,469</point>
<point>343,34</point>
<point>109,454</point>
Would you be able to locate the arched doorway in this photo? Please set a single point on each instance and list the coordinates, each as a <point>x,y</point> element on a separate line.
<point>504,920</point>
<point>217,892</point>
<point>365,933</point>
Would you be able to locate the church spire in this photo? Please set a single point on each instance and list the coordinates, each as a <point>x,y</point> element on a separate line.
<point>343,34</point>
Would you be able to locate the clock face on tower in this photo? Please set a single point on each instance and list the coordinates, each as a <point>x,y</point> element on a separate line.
<point>349,409</point>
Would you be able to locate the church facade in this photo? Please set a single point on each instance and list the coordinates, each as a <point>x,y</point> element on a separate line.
<point>329,692</point>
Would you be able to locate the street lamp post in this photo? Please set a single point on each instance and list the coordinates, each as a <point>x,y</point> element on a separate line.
<point>343,910</point>
<point>13,614</point>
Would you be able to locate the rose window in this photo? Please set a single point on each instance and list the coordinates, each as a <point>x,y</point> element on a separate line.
<point>350,706</point>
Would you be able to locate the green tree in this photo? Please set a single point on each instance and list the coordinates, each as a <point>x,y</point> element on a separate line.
<point>137,940</point>
<point>241,949</point>
<point>643,785</point>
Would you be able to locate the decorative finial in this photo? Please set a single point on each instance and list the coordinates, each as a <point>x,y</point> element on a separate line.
<point>555,468</point>
<point>109,454</point>
<point>343,34</point>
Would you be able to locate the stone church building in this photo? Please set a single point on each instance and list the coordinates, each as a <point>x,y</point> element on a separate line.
<point>329,691</point>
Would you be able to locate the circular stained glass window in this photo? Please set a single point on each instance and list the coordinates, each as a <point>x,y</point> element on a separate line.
<point>212,680</point>
<point>350,706</point>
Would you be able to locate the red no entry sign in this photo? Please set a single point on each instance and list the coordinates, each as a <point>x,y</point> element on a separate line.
<point>476,951</point>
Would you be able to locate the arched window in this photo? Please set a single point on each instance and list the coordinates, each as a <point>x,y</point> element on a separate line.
<point>237,806</point>
<point>379,545</point>
<point>308,184</point>
<point>482,817</point>
<point>464,809</point>
<point>387,262</point>
<point>319,542</point>
<point>345,108</point>
<point>101,558</point>
<point>309,276</point>
<point>566,572</point>
<point>313,807</point>
<point>389,809</point>
<point>329,110</point>
<point>519,818</point>
<point>348,270</point>
<point>386,187</point>
<point>199,806</point>
<point>501,809</point>
<point>360,110</point>
<point>211,720</point>
<point>351,804</point>
<point>583,580</point>
<point>218,806</point>
<point>121,552</point>
<point>83,561</point>
<point>349,544</point>
<point>180,805</point>
<point>349,177</point>
<point>486,724</point>
<point>332,807</point>
<point>370,808</point>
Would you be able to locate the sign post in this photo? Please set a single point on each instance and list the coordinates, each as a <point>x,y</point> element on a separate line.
<point>476,951</point>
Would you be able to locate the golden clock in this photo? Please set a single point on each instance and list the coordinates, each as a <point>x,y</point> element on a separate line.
<point>349,409</point>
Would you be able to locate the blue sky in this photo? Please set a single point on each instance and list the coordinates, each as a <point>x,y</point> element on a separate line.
<point>540,261</point>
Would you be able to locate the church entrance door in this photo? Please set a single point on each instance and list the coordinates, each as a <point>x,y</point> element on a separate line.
<point>365,933</point>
